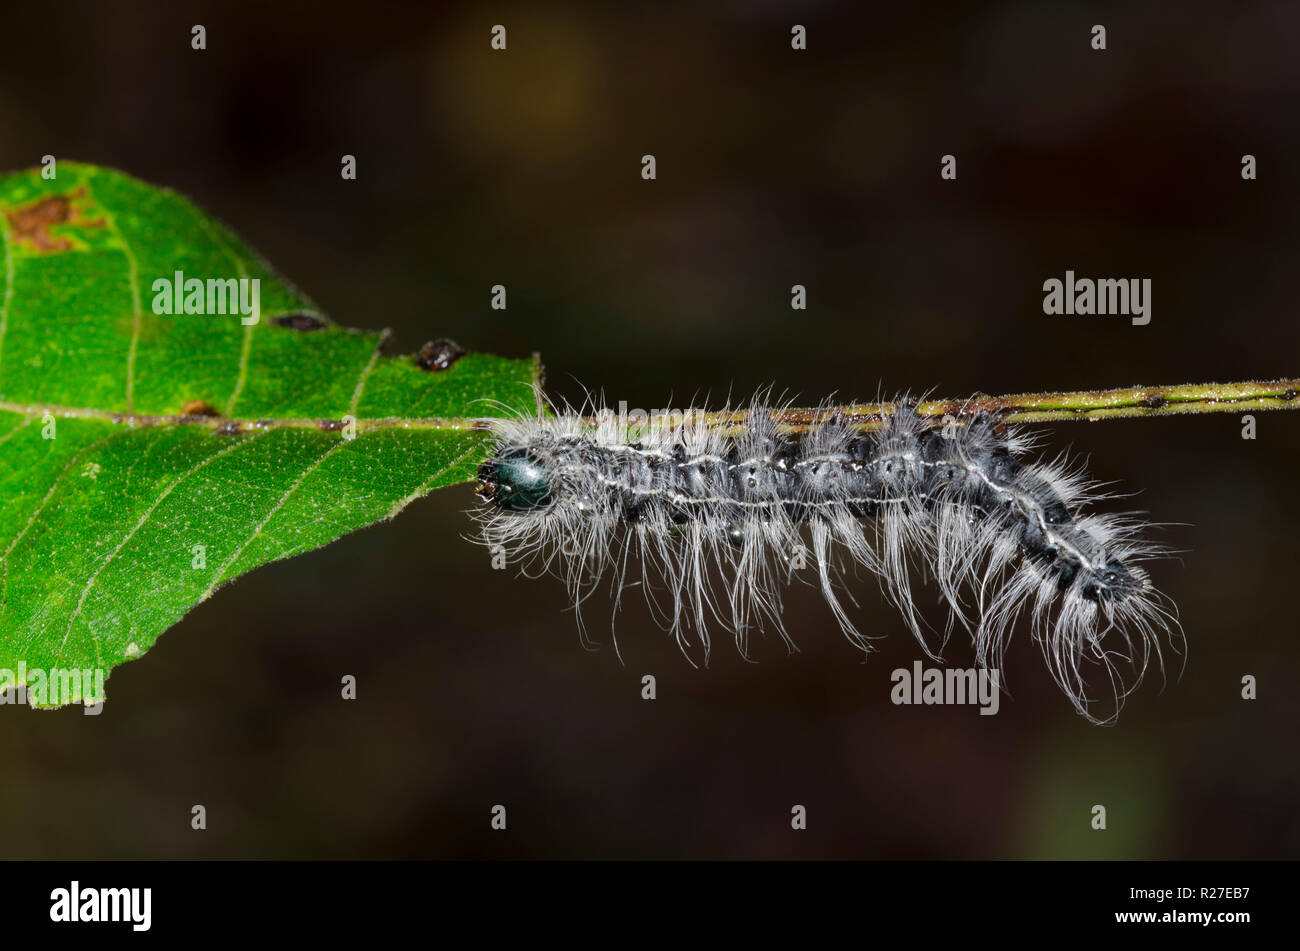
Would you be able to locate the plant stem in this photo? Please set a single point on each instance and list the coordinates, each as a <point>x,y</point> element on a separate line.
<point>1022,408</point>
<point>1049,407</point>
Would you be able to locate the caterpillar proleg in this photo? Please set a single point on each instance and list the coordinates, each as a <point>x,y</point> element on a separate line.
<point>713,521</point>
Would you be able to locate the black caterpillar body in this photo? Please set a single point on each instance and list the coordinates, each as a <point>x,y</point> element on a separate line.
<point>995,530</point>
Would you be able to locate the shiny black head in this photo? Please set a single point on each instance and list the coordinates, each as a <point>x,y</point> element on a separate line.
<point>515,481</point>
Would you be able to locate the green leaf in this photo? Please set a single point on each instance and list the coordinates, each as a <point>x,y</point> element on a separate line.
<point>146,459</point>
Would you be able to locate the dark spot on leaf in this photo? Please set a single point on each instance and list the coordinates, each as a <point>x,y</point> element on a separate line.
<point>230,428</point>
<point>438,355</point>
<point>31,224</point>
<point>1155,401</point>
<point>303,323</point>
<point>199,408</point>
<point>1289,395</point>
<point>329,425</point>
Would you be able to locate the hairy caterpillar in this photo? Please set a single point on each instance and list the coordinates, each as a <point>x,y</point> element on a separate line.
<point>713,523</point>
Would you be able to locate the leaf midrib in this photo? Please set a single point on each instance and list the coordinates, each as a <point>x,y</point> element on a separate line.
<point>320,423</point>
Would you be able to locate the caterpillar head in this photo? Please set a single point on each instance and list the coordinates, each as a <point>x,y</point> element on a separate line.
<point>516,480</point>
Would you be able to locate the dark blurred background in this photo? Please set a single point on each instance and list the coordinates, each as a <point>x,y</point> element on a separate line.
<point>775,167</point>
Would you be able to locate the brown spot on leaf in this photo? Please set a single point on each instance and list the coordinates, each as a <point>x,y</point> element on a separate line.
<point>329,425</point>
<point>1155,401</point>
<point>199,408</point>
<point>1289,395</point>
<point>230,428</point>
<point>31,224</point>
<point>438,355</point>
<point>303,323</point>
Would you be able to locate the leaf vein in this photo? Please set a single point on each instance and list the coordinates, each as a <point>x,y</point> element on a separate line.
<point>257,530</point>
<point>148,513</point>
<point>27,421</point>
<point>133,277</point>
<point>427,483</point>
<point>246,346</point>
<point>365,374</point>
<point>9,285</point>
<point>4,559</point>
